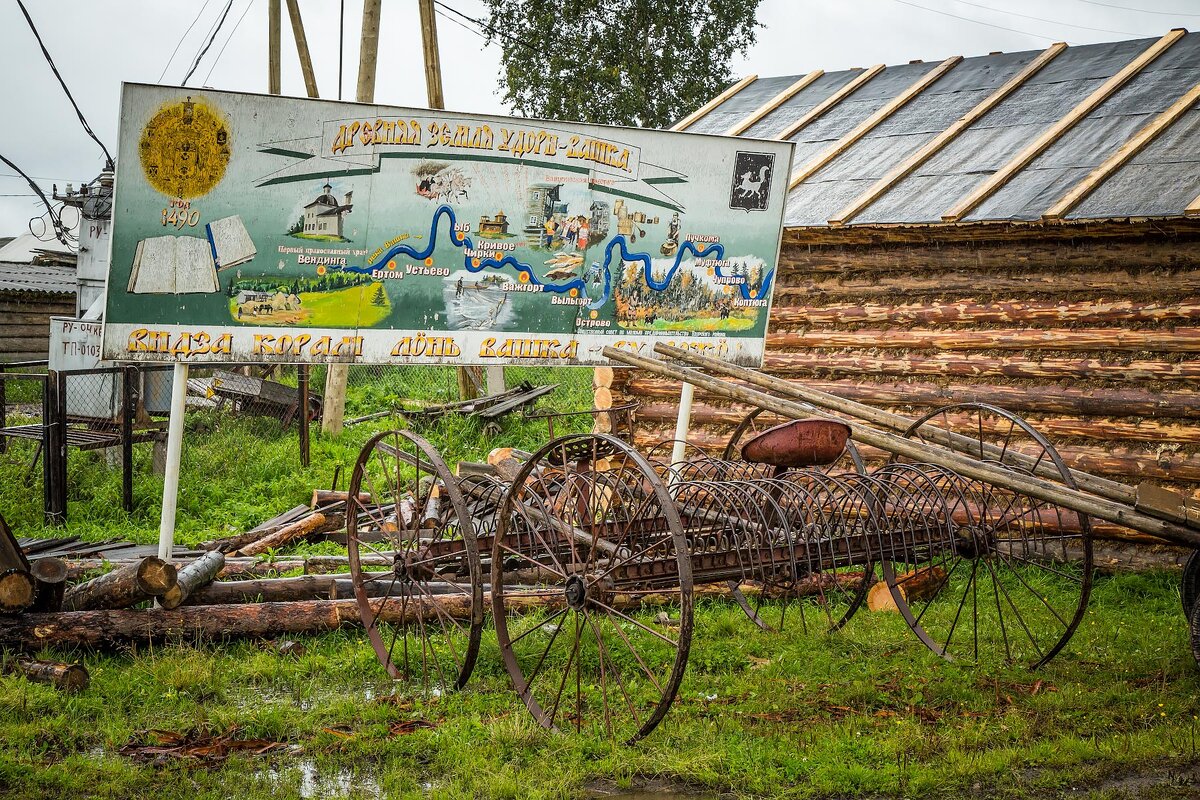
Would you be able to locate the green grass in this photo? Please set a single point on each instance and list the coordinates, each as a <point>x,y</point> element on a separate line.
<point>867,712</point>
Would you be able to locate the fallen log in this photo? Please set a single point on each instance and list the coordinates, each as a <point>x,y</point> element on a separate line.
<point>288,533</point>
<point>229,544</point>
<point>192,578</point>
<point>916,585</point>
<point>109,627</point>
<point>16,584</point>
<point>123,587</point>
<point>50,582</point>
<point>64,677</point>
<point>310,565</point>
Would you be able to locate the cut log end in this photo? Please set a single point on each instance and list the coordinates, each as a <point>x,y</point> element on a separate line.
<point>16,591</point>
<point>920,584</point>
<point>64,677</point>
<point>156,577</point>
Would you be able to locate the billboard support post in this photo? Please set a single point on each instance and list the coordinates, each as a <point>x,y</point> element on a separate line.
<point>682,423</point>
<point>166,525</point>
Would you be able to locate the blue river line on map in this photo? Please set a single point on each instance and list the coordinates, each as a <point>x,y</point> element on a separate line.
<point>463,241</point>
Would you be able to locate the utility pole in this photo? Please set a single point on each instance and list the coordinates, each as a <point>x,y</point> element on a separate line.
<point>274,35</point>
<point>469,378</point>
<point>310,77</point>
<point>433,63</point>
<point>334,408</point>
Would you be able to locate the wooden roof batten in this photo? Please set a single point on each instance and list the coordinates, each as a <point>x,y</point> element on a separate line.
<point>1049,136</point>
<point>774,103</point>
<point>937,143</point>
<point>1144,136</point>
<point>704,110</point>
<point>873,121</point>
<point>819,110</point>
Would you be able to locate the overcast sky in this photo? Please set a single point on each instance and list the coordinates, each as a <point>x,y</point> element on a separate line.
<point>97,45</point>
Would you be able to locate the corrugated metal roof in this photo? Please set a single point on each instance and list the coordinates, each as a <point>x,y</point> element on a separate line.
<point>15,277</point>
<point>1161,180</point>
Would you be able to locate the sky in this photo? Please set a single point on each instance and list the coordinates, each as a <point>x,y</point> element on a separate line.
<point>97,45</point>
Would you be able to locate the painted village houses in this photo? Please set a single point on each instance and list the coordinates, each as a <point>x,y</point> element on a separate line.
<point>323,216</point>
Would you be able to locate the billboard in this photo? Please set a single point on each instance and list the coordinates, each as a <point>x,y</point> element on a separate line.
<point>274,229</point>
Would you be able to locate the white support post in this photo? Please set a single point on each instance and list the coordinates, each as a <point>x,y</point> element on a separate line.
<point>682,423</point>
<point>166,525</point>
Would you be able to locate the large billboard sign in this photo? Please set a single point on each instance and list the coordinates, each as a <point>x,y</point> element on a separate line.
<point>263,228</point>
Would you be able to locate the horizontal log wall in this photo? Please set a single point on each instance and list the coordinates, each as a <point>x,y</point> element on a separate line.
<point>1091,332</point>
<point>25,323</point>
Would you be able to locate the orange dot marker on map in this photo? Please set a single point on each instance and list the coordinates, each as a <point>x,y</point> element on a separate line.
<point>429,261</point>
<point>523,277</point>
<point>321,269</point>
<point>474,262</point>
<point>392,266</point>
<point>593,314</point>
<point>574,293</point>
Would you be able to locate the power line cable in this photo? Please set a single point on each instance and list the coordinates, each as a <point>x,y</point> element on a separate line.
<point>976,21</point>
<point>211,39</point>
<point>221,52</point>
<point>181,38</point>
<point>53,68</point>
<point>1049,21</point>
<point>61,232</point>
<point>1142,10</point>
<point>485,26</point>
<point>462,25</point>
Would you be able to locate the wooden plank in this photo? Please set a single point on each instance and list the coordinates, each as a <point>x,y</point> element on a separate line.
<point>1137,287</point>
<point>935,145</point>
<point>1179,340</point>
<point>1039,145</point>
<point>1145,135</point>
<point>774,103</point>
<point>1193,208</point>
<point>819,109</point>
<point>870,123</point>
<point>704,110</point>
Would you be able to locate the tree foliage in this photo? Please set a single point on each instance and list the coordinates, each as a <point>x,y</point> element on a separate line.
<point>624,62</point>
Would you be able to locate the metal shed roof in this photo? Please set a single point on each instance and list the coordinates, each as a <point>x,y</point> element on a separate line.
<point>1070,133</point>
<point>17,277</point>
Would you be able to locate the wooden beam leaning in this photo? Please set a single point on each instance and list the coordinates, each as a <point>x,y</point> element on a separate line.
<point>870,123</point>
<point>1049,136</point>
<point>935,145</point>
<point>704,110</point>
<point>306,66</point>
<point>774,103</point>
<point>1145,135</point>
<point>841,94</point>
<point>1039,488</point>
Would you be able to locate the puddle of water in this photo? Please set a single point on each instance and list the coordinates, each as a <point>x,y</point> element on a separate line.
<point>317,783</point>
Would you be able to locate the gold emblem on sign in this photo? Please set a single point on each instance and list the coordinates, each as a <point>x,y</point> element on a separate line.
<point>185,149</point>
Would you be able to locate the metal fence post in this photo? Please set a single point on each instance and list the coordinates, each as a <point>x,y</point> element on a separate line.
<point>128,404</point>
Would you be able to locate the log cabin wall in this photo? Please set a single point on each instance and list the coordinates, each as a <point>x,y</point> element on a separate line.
<point>1089,331</point>
<point>1019,229</point>
<point>25,322</point>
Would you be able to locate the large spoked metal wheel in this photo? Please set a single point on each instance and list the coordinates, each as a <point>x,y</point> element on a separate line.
<point>982,573</point>
<point>424,614</point>
<point>592,588</point>
<point>1190,582</point>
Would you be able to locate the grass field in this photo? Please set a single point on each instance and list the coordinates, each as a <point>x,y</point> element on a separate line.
<point>864,713</point>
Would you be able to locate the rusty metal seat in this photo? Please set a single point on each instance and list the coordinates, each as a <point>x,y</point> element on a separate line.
<point>799,443</point>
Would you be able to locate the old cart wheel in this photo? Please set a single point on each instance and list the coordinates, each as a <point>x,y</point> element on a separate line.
<point>592,588</point>
<point>1189,584</point>
<point>424,614</point>
<point>982,573</point>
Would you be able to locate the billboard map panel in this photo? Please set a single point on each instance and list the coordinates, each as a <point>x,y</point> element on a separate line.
<point>264,228</point>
